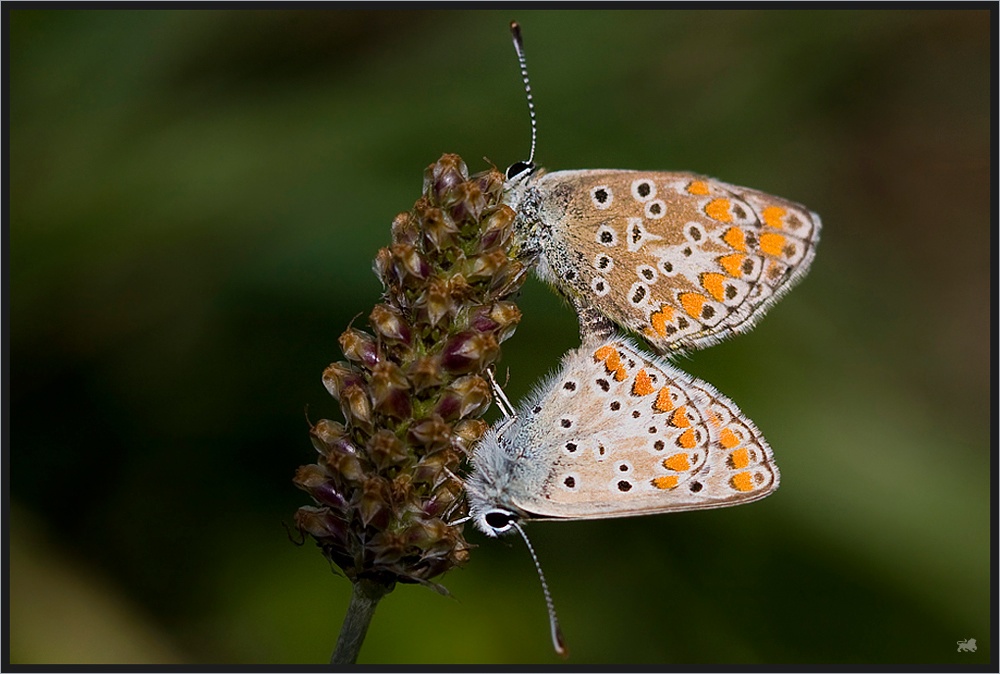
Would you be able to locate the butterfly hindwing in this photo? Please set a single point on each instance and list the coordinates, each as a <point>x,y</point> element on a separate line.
<point>617,433</point>
<point>681,259</point>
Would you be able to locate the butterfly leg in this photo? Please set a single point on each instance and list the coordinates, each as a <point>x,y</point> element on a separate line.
<point>502,402</point>
<point>510,416</point>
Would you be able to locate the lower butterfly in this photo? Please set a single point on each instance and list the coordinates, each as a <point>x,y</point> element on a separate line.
<point>616,432</point>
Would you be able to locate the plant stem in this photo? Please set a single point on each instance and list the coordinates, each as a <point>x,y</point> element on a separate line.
<point>365,596</point>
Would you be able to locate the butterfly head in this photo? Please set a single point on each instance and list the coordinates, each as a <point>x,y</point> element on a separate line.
<point>496,521</point>
<point>488,486</point>
<point>519,170</point>
<point>521,194</point>
<point>519,176</point>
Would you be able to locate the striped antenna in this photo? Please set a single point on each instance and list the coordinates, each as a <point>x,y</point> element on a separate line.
<point>515,31</point>
<point>557,637</point>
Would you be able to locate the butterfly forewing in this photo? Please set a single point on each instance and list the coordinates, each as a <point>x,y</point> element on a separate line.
<point>618,433</point>
<point>682,259</point>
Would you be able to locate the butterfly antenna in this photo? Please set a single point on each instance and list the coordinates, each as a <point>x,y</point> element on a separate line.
<point>557,637</point>
<point>515,31</point>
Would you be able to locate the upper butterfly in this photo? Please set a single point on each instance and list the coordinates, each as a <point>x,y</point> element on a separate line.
<point>682,259</point>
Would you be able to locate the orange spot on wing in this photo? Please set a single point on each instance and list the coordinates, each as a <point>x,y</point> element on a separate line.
<point>740,458</point>
<point>612,361</point>
<point>742,481</point>
<point>620,374</point>
<point>735,237</point>
<point>642,385</point>
<point>665,482</point>
<point>772,243</point>
<point>603,353</point>
<point>678,462</point>
<point>687,439</point>
<point>733,264</point>
<point>692,303</point>
<point>698,187</point>
<point>679,418</point>
<point>728,438</point>
<point>772,216</point>
<point>659,319</point>
<point>714,419</point>
<point>715,284</point>
<point>718,209</point>
<point>663,401</point>
<point>659,323</point>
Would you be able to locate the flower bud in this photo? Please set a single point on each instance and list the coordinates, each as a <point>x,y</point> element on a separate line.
<point>497,228</point>
<point>321,524</point>
<point>486,265</point>
<point>490,183</point>
<point>508,279</point>
<point>339,376</point>
<point>442,177</point>
<point>359,347</point>
<point>385,269</point>
<point>404,229</point>
<point>388,547</point>
<point>389,386</point>
<point>385,449</point>
<point>410,265</point>
<point>317,482</point>
<point>389,324</point>
<point>426,372</point>
<point>481,321</point>
<point>374,504</point>
<point>356,405</point>
<point>331,436</point>
<point>431,433</point>
<point>466,396</point>
<point>439,229</point>
<point>437,468</point>
<point>506,315</point>
<point>439,503</point>
<point>425,533</point>
<point>468,432</point>
<point>459,289</point>
<point>401,488</point>
<point>346,467</point>
<point>469,351</point>
<point>435,302</point>
<point>468,205</point>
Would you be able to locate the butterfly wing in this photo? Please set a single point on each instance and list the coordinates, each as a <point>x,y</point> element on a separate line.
<point>682,259</point>
<point>619,433</point>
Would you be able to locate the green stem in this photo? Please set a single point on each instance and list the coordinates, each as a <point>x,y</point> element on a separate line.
<point>364,598</point>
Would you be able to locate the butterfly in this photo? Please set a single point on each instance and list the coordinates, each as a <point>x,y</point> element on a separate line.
<point>681,259</point>
<point>617,432</point>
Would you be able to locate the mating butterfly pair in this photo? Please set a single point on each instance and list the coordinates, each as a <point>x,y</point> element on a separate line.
<point>682,260</point>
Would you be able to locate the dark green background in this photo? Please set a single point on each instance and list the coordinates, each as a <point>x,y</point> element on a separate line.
<point>195,200</point>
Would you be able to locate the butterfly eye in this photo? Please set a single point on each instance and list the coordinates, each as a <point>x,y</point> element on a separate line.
<point>500,520</point>
<point>519,168</point>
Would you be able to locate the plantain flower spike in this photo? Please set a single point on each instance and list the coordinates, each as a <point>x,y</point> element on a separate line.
<point>412,389</point>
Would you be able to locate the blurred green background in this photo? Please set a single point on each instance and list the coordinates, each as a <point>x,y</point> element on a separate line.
<point>195,200</point>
